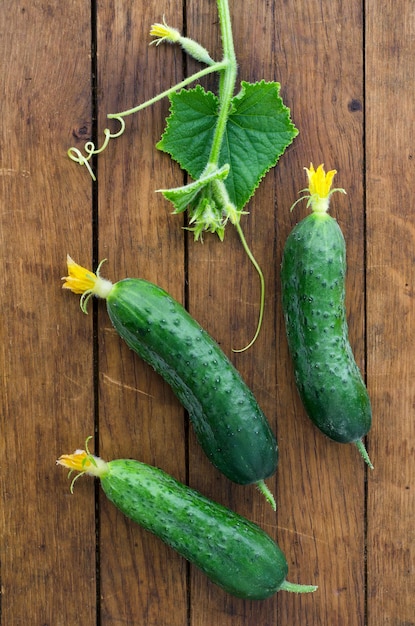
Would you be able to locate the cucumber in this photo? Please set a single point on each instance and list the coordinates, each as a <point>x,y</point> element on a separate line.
<point>233,552</point>
<point>229,424</point>
<point>313,273</point>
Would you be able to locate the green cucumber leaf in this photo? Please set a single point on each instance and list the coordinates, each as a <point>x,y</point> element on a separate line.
<point>190,127</point>
<point>258,131</point>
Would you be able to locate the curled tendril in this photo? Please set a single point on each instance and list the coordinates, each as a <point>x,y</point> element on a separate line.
<point>90,149</point>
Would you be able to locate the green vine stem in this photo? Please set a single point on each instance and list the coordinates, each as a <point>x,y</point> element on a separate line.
<point>227,69</point>
<point>227,81</point>
<point>90,149</point>
<point>226,90</point>
<point>262,287</point>
<point>234,217</point>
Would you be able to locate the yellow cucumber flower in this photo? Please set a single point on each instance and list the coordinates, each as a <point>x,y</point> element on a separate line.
<point>319,183</point>
<point>82,281</point>
<point>79,461</point>
<point>84,462</point>
<point>163,32</point>
<point>319,188</point>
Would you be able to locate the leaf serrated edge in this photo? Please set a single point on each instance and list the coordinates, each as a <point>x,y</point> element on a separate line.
<point>291,128</point>
<point>273,164</point>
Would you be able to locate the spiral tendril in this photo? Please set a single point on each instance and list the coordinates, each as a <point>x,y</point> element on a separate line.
<point>90,149</point>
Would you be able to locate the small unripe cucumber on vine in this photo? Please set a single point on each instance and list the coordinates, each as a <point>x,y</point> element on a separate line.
<point>233,552</point>
<point>313,298</point>
<point>229,424</point>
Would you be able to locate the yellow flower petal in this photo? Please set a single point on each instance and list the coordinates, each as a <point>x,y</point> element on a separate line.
<point>79,279</point>
<point>319,183</point>
<point>84,462</point>
<point>86,283</point>
<point>79,461</point>
<point>164,33</point>
<point>319,189</point>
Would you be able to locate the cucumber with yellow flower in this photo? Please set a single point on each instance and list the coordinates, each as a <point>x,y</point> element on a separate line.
<point>229,424</point>
<point>232,551</point>
<point>313,274</point>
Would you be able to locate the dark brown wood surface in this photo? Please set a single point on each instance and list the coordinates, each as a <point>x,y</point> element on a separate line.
<point>346,71</point>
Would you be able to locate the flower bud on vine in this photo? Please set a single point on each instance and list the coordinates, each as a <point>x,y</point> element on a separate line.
<point>163,32</point>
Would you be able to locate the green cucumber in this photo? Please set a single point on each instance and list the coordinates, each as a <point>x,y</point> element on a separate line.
<point>229,424</point>
<point>313,298</point>
<point>233,552</point>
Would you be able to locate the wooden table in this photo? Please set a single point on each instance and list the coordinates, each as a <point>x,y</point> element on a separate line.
<point>347,73</point>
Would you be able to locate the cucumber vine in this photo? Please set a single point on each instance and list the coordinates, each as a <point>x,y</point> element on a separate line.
<point>226,143</point>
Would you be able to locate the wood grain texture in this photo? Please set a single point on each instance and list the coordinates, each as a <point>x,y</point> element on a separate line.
<point>323,525</point>
<point>346,72</point>
<point>391,312</point>
<point>47,543</point>
<point>141,579</point>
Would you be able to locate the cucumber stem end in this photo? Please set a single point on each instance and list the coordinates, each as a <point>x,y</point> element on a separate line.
<point>296,588</point>
<point>267,493</point>
<point>361,447</point>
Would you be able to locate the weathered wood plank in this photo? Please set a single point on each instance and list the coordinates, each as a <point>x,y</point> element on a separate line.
<point>47,537</point>
<point>321,483</point>
<point>142,581</point>
<point>390,136</point>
